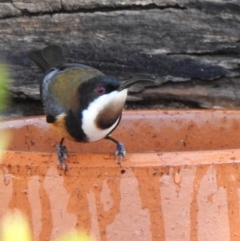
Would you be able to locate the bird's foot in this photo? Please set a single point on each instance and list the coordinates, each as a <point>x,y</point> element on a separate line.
<point>121,152</point>
<point>62,155</point>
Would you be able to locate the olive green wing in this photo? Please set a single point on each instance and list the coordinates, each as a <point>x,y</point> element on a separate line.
<point>59,87</point>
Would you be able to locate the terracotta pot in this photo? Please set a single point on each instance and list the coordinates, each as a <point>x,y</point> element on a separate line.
<point>179,181</point>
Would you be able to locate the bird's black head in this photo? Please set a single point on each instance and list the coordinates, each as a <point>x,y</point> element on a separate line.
<point>98,104</point>
<point>94,88</point>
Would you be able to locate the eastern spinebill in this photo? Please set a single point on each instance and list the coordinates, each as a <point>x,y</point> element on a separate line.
<point>80,102</point>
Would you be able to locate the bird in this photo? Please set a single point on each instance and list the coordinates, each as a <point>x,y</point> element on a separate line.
<point>81,103</point>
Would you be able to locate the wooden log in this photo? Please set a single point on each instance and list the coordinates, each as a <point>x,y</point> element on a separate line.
<point>179,43</point>
<point>222,93</point>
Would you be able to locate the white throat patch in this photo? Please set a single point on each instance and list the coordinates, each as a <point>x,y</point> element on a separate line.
<point>89,115</point>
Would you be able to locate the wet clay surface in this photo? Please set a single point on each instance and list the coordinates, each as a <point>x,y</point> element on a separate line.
<point>183,192</point>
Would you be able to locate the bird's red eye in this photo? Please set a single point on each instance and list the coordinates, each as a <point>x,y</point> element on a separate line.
<point>100,90</point>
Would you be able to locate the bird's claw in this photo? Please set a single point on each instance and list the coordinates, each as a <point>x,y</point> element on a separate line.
<point>62,155</point>
<point>121,152</point>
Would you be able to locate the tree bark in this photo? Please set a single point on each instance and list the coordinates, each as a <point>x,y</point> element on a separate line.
<point>191,48</point>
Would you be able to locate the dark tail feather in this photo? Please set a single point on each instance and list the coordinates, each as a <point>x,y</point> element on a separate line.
<point>48,57</point>
<point>53,55</point>
<point>37,58</point>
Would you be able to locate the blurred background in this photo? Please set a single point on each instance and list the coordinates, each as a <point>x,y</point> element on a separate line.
<point>191,48</point>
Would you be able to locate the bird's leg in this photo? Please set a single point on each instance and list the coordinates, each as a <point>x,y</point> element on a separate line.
<point>62,154</point>
<point>121,152</point>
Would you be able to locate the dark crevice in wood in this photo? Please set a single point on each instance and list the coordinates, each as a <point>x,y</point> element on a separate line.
<point>162,103</point>
<point>22,107</point>
<point>133,7</point>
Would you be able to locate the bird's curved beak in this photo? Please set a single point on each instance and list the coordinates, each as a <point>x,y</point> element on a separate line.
<point>131,82</point>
